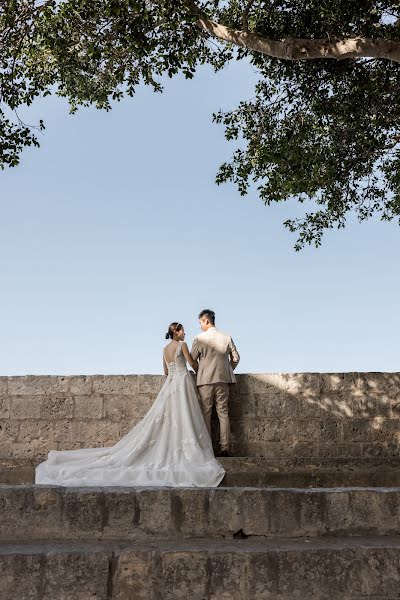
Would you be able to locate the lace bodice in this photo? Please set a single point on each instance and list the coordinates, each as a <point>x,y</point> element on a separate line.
<point>178,365</point>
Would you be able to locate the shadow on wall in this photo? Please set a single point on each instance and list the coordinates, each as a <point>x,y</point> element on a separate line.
<point>319,415</point>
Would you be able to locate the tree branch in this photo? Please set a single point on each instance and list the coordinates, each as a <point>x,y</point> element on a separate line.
<point>305,49</point>
<point>299,48</point>
<point>245,15</point>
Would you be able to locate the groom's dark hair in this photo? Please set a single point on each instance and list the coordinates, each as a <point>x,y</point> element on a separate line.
<point>210,314</point>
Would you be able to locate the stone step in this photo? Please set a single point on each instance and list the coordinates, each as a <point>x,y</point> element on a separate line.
<point>256,478</point>
<point>330,568</point>
<point>265,472</point>
<point>140,514</point>
<point>307,472</point>
<point>305,479</point>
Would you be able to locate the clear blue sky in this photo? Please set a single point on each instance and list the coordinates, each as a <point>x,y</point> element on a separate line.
<point>114,228</point>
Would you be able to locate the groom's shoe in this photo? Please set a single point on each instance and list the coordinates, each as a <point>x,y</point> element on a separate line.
<point>224,453</point>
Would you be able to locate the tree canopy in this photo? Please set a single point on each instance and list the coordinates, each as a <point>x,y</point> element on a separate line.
<point>323,126</point>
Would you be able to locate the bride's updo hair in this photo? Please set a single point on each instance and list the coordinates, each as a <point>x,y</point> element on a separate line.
<point>172,329</point>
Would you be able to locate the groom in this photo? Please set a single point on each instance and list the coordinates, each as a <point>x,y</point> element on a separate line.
<point>218,357</point>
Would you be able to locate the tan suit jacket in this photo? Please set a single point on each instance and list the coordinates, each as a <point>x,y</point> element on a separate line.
<point>217,355</point>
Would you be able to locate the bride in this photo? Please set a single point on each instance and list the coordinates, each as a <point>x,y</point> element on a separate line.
<point>170,446</point>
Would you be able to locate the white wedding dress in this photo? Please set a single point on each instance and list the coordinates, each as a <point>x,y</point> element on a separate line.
<point>170,446</point>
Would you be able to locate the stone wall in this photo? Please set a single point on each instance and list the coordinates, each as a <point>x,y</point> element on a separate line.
<point>349,415</point>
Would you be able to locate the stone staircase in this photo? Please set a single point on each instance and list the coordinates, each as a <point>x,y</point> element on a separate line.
<point>310,510</point>
<point>223,543</point>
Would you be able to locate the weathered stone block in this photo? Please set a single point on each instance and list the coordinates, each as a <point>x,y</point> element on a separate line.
<point>312,574</point>
<point>224,510</point>
<point>184,575</point>
<point>254,429</point>
<point>384,429</point>
<point>150,384</point>
<point>9,430</point>
<point>243,385</point>
<point>311,513</point>
<point>95,433</point>
<point>262,575</point>
<point>338,510</point>
<point>228,576</point>
<point>357,430</point>
<point>133,576</point>
<point>294,449</point>
<point>369,406</point>
<point>84,511</point>
<point>190,512</point>
<point>116,384</point>
<point>118,407</point>
<point>337,382</point>
<point>25,407</point>
<point>35,431</point>
<point>285,512</point>
<point>395,406</point>
<point>88,407</point>
<point>4,408</point>
<point>392,450</point>
<point>277,406</point>
<point>29,512</point>
<point>254,512</point>
<point>241,406</point>
<point>21,576</point>
<point>37,385</point>
<point>262,383</point>
<point>153,521</point>
<point>245,448</point>
<point>379,510</point>
<point>320,407</point>
<point>30,450</point>
<point>3,386</point>
<point>56,407</point>
<point>350,449</point>
<point>121,514</point>
<point>379,450</point>
<point>372,430</point>
<point>303,384</point>
<point>6,449</point>
<point>327,430</point>
<point>80,385</point>
<point>62,432</point>
<point>76,575</point>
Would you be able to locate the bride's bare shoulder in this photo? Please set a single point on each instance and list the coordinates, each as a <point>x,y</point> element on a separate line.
<point>171,344</point>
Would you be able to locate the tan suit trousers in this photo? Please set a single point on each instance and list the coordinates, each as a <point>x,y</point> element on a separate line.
<point>218,392</point>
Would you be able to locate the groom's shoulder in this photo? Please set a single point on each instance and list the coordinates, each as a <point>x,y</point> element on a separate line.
<point>219,333</point>
<point>223,333</point>
<point>201,335</point>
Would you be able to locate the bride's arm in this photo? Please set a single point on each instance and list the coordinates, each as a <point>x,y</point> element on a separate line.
<point>165,366</point>
<point>193,363</point>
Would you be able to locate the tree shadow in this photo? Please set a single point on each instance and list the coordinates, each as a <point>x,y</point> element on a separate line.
<point>349,418</point>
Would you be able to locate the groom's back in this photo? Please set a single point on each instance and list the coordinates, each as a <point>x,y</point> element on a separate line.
<point>214,348</point>
<point>216,340</point>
